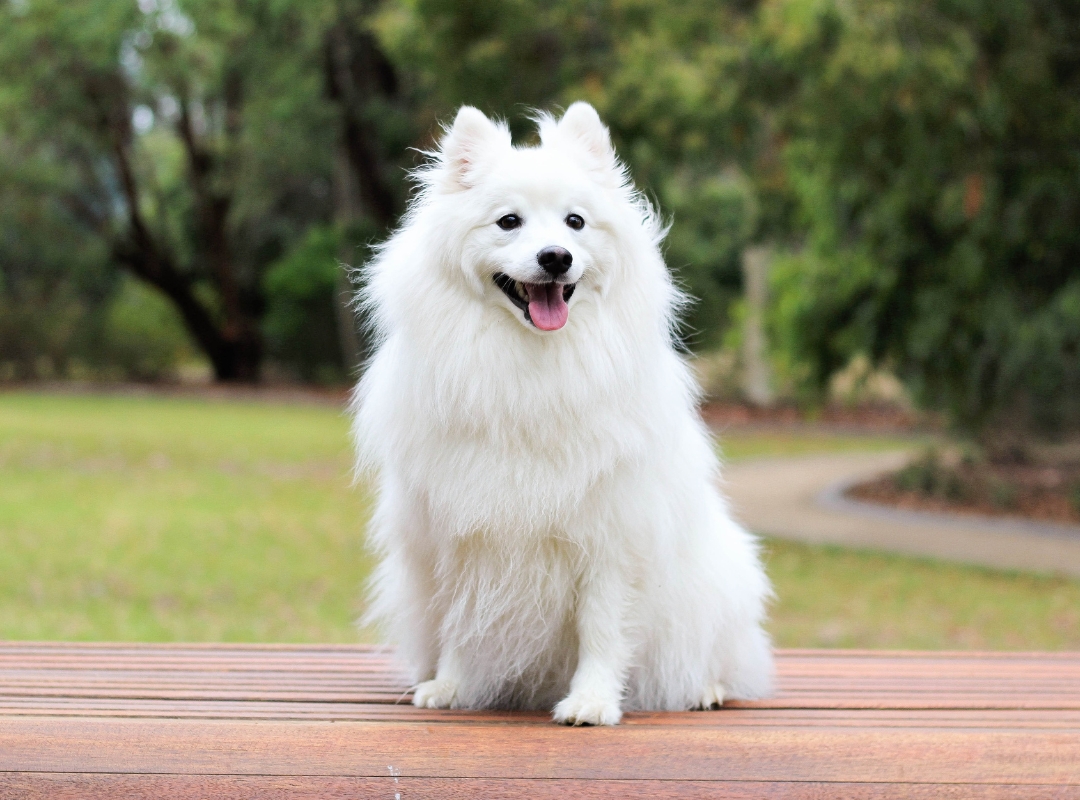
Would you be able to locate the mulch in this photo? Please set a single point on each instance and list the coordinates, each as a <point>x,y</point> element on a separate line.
<point>1026,491</point>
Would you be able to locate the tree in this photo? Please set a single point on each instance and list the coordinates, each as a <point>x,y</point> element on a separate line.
<point>55,280</point>
<point>689,105</point>
<point>375,129</point>
<point>261,119</point>
<point>196,141</point>
<point>697,100</point>
<point>936,151</point>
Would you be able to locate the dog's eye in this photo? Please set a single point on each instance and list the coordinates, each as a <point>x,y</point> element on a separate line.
<point>509,222</point>
<point>575,222</point>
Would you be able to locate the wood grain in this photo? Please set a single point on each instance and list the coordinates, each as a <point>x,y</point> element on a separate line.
<point>46,786</point>
<point>208,721</point>
<point>359,674</point>
<point>372,749</point>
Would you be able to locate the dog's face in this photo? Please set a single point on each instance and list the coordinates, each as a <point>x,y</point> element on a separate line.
<point>537,233</point>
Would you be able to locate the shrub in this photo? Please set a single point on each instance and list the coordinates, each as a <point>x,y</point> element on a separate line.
<point>937,187</point>
<point>301,318</point>
<point>143,337</point>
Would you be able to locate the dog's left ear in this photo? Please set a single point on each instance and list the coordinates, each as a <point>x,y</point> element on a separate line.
<point>581,127</point>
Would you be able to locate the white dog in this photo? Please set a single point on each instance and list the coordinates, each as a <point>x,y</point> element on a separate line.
<point>548,521</point>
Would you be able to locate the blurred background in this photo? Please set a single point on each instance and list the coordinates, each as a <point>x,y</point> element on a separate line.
<point>875,205</point>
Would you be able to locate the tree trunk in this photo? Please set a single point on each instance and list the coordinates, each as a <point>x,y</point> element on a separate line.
<point>346,212</point>
<point>356,73</point>
<point>232,351</point>
<point>239,356</point>
<point>756,374</point>
<point>232,358</point>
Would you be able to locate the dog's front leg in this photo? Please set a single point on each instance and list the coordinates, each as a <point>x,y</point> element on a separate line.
<point>597,686</point>
<point>441,691</point>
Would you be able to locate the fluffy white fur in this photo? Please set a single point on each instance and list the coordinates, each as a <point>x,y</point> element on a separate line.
<point>550,531</point>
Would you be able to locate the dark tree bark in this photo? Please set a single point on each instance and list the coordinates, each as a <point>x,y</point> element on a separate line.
<point>356,74</point>
<point>241,306</point>
<point>229,336</point>
<point>346,212</point>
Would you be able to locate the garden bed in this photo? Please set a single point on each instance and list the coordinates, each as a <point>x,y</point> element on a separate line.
<point>1044,490</point>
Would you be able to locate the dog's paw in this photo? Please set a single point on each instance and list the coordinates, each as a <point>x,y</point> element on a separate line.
<point>587,708</point>
<point>712,697</point>
<point>438,693</point>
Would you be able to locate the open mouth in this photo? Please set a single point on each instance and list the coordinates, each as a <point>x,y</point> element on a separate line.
<point>544,304</point>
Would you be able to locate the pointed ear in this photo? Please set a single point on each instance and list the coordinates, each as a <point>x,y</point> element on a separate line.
<point>470,142</point>
<point>581,128</point>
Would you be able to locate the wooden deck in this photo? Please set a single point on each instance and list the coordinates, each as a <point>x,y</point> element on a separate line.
<point>176,722</point>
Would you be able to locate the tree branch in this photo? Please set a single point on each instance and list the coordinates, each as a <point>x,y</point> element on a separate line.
<point>348,53</point>
<point>145,258</point>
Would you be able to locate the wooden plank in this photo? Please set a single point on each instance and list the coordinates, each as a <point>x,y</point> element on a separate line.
<point>924,718</point>
<point>257,673</point>
<point>46,786</point>
<point>300,721</point>
<point>371,749</point>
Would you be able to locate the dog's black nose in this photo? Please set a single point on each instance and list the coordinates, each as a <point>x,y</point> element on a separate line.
<point>555,260</point>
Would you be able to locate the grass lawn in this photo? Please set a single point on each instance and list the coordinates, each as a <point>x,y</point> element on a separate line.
<point>833,597</point>
<point>162,519</point>
<point>156,519</point>
<point>737,445</point>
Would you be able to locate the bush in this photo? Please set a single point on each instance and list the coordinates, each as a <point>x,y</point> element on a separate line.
<point>40,328</point>
<point>929,476</point>
<point>712,218</point>
<point>937,186</point>
<point>301,317</point>
<point>55,282</point>
<point>143,338</point>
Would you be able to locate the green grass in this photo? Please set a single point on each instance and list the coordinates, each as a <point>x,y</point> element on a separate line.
<point>158,519</point>
<point>736,445</point>
<point>166,519</point>
<point>832,597</point>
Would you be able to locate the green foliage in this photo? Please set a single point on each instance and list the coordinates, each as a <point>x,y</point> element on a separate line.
<point>41,326</point>
<point>55,279</point>
<point>143,336</point>
<point>191,143</point>
<point>928,475</point>
<point>713,219</point>
<point>671,81</point>
<point>914,164</point>
<point>499,56</point>
<point>300,322</point>
<point>934,151</point>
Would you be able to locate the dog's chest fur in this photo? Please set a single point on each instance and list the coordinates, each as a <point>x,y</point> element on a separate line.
<point>509,610</point>
<point>517,446</point>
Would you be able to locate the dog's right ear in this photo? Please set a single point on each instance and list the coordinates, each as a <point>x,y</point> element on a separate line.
<point>468,145</point>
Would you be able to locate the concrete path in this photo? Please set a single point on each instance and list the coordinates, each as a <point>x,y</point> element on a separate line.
<point>801,498</point>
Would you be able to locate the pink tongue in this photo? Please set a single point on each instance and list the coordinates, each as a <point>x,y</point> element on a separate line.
<point>547,309</point>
